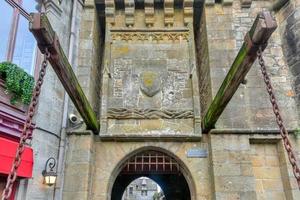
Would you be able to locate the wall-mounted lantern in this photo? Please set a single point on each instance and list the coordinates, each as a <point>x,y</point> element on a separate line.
<point>49,173</point>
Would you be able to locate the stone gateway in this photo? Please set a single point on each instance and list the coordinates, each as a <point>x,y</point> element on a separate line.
<point>152,68</point>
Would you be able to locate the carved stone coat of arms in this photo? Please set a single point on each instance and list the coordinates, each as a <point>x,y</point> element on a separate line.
<point>150,83</point>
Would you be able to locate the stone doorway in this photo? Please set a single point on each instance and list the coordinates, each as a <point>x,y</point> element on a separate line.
<point>158,166</point>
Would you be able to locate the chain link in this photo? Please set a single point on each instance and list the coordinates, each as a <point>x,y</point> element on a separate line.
<point>283,131</point>
<point>25,132</point>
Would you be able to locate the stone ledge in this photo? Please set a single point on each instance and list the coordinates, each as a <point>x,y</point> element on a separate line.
<point>143,138</point>
<point>249,131</point>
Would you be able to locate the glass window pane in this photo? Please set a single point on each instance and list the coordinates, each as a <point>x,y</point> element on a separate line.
<point>25,48</point>
<point>5,21</point>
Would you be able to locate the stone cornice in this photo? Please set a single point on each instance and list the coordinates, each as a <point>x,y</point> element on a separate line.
<point>52,7</point>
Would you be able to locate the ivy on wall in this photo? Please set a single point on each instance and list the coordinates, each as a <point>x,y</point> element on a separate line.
<point>17,82</point>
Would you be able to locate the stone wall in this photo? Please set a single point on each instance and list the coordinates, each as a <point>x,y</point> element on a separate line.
<point>79,166</point>
<point>289,19</point>
<point>251,166</point>
<point>242,163</point>
<point>150,84</point>
<point>226,27</point>
<point>203,69</point>
<point>266,170</point>
<point>90,54</point>
<point>231,167</point>
<point>105,159</point>
<point>46,136</point>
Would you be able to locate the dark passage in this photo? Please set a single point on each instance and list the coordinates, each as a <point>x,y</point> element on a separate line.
<point>159,167</point>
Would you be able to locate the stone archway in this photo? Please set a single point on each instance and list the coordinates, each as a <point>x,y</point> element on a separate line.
<point>165,169</point>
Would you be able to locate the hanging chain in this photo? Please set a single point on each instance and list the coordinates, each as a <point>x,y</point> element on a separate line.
<point>25,132</point>
<point>283,131</point>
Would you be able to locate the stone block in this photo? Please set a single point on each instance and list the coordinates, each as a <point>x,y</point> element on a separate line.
<point>234,184</point>
<point>226,169</point>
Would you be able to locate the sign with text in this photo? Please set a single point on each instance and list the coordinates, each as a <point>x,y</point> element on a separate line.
<point>197,153</point>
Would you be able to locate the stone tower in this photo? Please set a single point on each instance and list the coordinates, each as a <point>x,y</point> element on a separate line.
<point>151,68</point>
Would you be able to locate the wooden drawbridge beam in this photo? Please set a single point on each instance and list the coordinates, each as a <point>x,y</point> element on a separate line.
<point>47,38</point>
<point>259,34</point>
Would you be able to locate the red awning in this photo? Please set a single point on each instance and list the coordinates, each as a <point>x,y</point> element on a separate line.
<point>8,150</point>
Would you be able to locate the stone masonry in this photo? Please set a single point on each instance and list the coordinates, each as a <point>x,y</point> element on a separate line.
<point>151,71</point>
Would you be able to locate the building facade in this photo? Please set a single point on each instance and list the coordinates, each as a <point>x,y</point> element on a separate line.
<point>141,189</point>
<point>150,70</point>
<point>19,47</point>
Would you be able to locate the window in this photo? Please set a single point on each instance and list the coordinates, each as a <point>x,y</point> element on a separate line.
<point>131,190</point>
<point>17,43</point>
<point>143,192</point>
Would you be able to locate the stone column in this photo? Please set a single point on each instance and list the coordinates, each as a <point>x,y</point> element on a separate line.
<point>78,167</point>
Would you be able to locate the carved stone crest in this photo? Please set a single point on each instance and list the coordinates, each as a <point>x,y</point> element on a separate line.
<point>150,83</point>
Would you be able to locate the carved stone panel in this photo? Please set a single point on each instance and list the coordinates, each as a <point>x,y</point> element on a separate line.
<point>150,76</point>
<point>150,90</point>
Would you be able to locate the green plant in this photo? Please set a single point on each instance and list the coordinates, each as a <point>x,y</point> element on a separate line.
<point>17,82</point>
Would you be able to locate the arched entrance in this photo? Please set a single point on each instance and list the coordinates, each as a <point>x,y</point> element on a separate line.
<point>158,166</point>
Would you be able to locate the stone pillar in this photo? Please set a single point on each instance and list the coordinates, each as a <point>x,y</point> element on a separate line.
<point>89,54</point>
<point>231,167</point>
<point>78,167</point>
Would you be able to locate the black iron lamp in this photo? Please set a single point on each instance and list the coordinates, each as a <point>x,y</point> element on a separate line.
<point>49,173</point>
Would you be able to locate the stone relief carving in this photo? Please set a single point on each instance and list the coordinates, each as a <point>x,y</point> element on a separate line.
<point>126,113</point>
<point>127,36</point>
<point>150,83</point>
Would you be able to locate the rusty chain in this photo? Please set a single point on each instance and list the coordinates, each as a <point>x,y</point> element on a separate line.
<point>25,132</point>
<point>283,131</point>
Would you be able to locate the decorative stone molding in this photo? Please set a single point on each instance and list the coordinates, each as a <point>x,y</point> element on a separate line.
<point>148,36</point>
<point>52,7</point>
<point>110,11</point>
<point>246,3</point>
<point>125,113</point>
<point>129,12</point>
<point>149,13</point>
<point>188,10</point>
<point>169,12</point>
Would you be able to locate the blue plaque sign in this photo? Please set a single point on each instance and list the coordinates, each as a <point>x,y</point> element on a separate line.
<point>197,153</point>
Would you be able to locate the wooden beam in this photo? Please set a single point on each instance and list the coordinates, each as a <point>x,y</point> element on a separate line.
<point>259,34</point>
<point>47,38</point>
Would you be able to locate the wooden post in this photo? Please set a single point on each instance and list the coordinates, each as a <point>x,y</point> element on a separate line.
<point>47,38</point>
<point>259,34</point>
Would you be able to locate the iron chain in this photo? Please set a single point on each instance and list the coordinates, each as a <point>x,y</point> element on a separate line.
<point>25,132</point>
<point>283,131</point>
